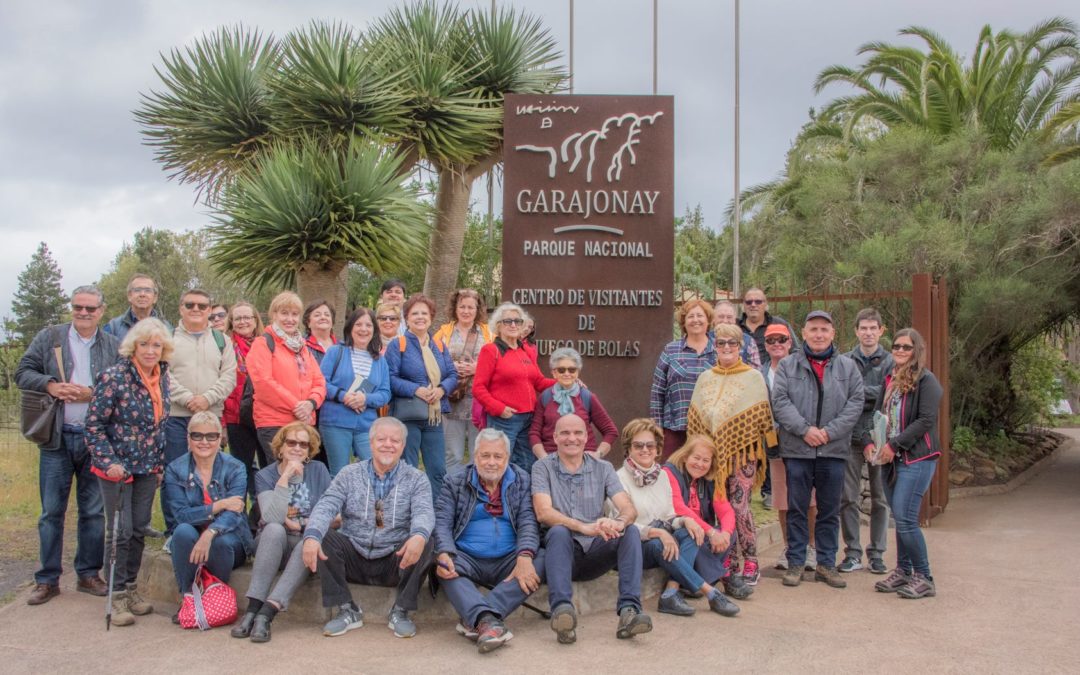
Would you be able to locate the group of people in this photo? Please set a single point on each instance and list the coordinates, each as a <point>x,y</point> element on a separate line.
<point>469,460</point>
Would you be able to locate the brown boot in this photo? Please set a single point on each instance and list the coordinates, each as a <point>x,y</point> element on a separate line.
<point>121,615</point>
<point>43,593</point>
<point>135,604</point>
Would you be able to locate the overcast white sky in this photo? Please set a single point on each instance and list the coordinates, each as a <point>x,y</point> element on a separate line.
<point>75,174</point>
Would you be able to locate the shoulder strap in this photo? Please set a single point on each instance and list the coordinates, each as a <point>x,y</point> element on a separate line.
<point>586,399</point>
<point>58,351</point>
<point>401,343</point>
<point>219,338</point>
<point>546,396</point>
<point>341,355</point>
<point>270,344</point>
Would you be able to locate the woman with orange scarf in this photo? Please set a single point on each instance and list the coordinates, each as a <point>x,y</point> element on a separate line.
<point>730,406</point>
<point>126,439</point>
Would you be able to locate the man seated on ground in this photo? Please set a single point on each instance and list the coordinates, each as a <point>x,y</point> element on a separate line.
<point>486,533</point>
<point>569,491</point>
<point>384,538</point>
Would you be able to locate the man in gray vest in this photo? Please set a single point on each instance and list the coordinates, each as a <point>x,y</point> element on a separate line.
<point>85,352</point>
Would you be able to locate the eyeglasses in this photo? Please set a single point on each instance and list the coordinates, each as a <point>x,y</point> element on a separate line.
<point>776,340</point>
<point>512,322</point>
<point>388,319</point>
<point>200,436</point>
<point>378,513</point>
<point>293,443</point>
<point>899,347</point>
<point>728,343</point>
<point>753,301</point>
<point>84,309</point>
<point>563,370</point>
<point>240,319</point>
<point>144,289</point>
<point>201,306</point>
<point>643,445</point>
<point>218,315</point>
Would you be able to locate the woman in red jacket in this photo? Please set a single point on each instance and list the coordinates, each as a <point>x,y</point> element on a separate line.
<point>243,325</point>
<point>507,382</point>
<point>286,378</point>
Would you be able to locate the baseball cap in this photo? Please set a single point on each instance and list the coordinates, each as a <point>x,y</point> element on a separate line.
<point>819,314</point>
<point>777,329</point>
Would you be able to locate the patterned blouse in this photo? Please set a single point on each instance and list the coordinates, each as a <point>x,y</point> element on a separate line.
<point>673,382</point>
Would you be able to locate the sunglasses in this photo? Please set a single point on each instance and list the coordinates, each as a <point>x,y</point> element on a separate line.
<point>378,513</point>
<point>903,348</point>
<point>728,343</point>
<point>201,306</point>
<point>388,319</point>
<point>218,315</point>
<point>753,302</point>
<point>563,370</point>
<point>647,445</point>
<point>293,443</point>
<point>512,322</point>
<point>200,436</point>
<point>84,309</point>
<point>776,340</point>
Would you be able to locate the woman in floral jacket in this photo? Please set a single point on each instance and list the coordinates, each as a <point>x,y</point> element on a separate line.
<point>126,439</point>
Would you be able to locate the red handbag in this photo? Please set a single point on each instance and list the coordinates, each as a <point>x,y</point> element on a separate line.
<point>211,602</point>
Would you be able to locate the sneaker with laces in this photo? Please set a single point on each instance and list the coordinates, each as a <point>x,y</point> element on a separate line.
<point>673,603</point>
<point>894,582</point>
<point>750,572</point>
<point>793,577</point>
<point>811,559</point>
<point>736,587</point>
<point>465,632</point>
<point>349,617</point>
<point>830,576</point>
<point>920,586</point>
<point>877,566</point>
<point>719,603</point>
<point>850,564</point>
<point>632,622</point>
<point>781,562</point>
<point>492,635</point>
<point>564,623</point>
<point>400,623</point>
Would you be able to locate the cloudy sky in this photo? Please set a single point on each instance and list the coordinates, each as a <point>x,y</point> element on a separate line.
<point>75,174</point>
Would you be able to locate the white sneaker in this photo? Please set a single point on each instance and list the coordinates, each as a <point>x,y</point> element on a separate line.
<point>811,559</point>
<point>781,562</point>
<point>167,546</point>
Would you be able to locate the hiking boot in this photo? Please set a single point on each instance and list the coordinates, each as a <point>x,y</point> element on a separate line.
<point>121,615</point>
<point>719,603</point>
<point>43,593</point>
<point>850,564</point>
<point>243,629</point>
<point>830,576</point>
<point>400,623</point>
<point>492,635</point>
<point>673,603</point>
<point>260,630</point>
<point>563,622</point>
<point>349,617</point>
<point>736,587</point>
<point>793,577</point>
<point>781,562</point>
<point>811,559</point>
<point>632,622</point>
<point>894,582</point>
<point>92,585</point>
<point>465,632</point>
<point>136,604</point>
<point>919,586</point>
<point>750,572</point>
<point>877,566</point>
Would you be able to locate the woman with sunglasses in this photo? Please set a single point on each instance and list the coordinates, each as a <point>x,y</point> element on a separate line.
<point>565,397</point>
<point>507,382</point>
<point>730,406</point>
<point>909,458</point>
<point>242,325</point>
<point>205,490</point>
<point>464,335</point>
<point>288,490</point>
<point>387,321</point>
<point>677,371</point>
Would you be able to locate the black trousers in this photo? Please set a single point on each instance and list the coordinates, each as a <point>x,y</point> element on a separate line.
<point>344,564</point>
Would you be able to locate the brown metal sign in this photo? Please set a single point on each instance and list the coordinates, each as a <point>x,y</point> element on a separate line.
<point>588,234</point>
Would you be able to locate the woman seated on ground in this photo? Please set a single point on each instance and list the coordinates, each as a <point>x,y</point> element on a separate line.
<point>357,385</point>
<point>287,491</point>
<point>668,540</point>
<point>205,488</point>
<point>695,496</point>
<point>567,396</point>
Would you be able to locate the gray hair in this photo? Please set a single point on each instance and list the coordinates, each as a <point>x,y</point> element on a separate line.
<point>89,289</point>
<point>497,315</point>
<point>565,353</point>
<point>382,422</point>
<point>205,418</point>
<point>492,435</point>
<point>728,303</point>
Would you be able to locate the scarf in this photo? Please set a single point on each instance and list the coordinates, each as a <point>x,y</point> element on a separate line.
<point>644,477</point>
<point>434,374</point>
<point>241,346</point>
<point>295,343</point>
<point>565,397</point>
<point>152,381</point>
<point>731,407</point>
<point>494,503</point>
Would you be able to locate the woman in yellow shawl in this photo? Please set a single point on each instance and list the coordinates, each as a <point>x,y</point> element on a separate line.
<point>730,405</point>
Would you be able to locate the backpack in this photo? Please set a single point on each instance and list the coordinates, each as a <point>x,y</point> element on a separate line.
<point>247,398</point>
<point>219,339</point>
<point>586,398</point>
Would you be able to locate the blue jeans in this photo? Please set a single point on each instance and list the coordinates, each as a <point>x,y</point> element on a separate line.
<point>226,554</point>
<point>905,485</point>
<point>804,475</point>
<point>176,444</point>
<point>504,598</point>
<point>517,430</point>
<point>56,469</point>
<point>341,444</point>
<point>427,439</point>
<point>681,569</point>
<point>566,561</point>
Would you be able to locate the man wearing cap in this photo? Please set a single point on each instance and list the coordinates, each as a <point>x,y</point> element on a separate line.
<point>817,398</point>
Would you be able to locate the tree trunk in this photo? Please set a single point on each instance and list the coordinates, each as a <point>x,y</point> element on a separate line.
<point>326,281</point>
<point>451,215</point>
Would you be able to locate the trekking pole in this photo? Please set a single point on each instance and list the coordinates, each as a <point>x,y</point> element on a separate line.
<point>112,552</point>
<point>489,587</point>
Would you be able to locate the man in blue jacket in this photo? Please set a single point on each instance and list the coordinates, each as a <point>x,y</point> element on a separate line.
<point>485,532</point>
